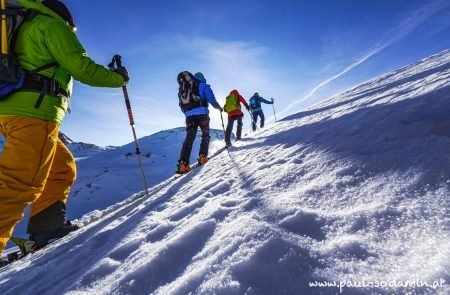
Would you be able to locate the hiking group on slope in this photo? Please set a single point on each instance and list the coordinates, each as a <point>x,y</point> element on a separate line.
<point>38,66</point>
<point>194,97</point>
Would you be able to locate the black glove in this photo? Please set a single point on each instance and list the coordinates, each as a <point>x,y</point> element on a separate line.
<point>220,109</point>
<point>123,72</point>
<point>247,107</point>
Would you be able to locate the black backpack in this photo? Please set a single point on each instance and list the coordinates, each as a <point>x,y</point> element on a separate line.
<point>188,92</point>
<point>10,71</point>
<point>12,76</point>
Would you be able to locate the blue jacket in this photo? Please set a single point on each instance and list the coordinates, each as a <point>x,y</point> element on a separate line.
<point>256,107</point>
<point>207,95</point>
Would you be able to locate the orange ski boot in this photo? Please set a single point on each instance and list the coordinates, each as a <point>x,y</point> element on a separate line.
<point>202,160</point>
<point>183,168</point>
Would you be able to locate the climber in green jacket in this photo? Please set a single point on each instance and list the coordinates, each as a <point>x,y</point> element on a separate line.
<point>36,168</point>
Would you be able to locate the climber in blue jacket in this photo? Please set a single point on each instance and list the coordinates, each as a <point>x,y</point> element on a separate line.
<point>256,109</point>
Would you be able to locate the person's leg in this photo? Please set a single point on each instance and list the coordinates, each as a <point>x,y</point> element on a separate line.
<point>255,119</point>
<point>191,133</point>
<point>24,167</point>
<point>204,126</point>
<point>229,130</point>
<point>48,212</point>
<point>261,114</point>
<point>239,128</point>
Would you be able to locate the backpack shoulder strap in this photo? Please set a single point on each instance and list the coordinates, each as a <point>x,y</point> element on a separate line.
<point>26,15</point>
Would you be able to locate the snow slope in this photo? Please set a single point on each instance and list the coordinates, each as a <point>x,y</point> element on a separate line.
<point>107,175</point>
<point>353,189</point>
<point>107,178</point>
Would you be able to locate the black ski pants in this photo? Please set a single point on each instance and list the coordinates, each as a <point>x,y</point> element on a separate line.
<point>231,121</point>
<point>192,124</point>
<point>255,119</point>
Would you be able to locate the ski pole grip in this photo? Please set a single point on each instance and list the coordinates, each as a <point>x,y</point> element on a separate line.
<point>116,62</point>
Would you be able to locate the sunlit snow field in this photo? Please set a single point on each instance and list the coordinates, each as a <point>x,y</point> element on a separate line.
<point>353,189</point>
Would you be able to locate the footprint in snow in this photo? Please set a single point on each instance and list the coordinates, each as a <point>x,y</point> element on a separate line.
<point>194,196</point>
<point>267,165</point>
<point>288,266</point>
<point>121,252</point>
<point>159,232</point>
<point>101,270</point>
<point>230,203</point>
<point>296,161</point>
<point>173,261</point>
<point>305,224</point>
<point>221,213</point>
<point>188,210</point>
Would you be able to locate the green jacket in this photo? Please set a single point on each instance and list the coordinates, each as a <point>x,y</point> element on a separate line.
<point>48,38</point>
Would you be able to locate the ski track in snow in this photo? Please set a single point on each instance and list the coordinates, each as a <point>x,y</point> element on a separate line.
<point>353,188</point>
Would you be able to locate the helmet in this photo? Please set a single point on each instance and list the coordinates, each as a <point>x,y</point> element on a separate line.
<point>62,10</point>
<point>256,94</point>
<point>199,75</point>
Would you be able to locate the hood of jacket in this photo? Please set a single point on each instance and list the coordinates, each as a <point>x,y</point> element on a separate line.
<point>235,92</point>
<point>41,8</point>
<point>200,78</point>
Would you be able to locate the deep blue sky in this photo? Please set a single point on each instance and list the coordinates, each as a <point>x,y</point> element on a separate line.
<point>282,49</point>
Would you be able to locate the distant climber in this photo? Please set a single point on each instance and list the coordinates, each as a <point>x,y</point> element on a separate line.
<point>256,109</point>
<point>194,97</point>
<point>233,108</point>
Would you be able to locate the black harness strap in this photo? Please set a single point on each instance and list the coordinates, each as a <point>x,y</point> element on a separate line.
<point>42,94</point>
<point>44,67</point>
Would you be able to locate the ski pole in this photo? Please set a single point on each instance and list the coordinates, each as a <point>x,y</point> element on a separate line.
<point>253,120</point>
<point>224,133</point>
<point>223,124</point>
<point>273,105</point>
<point>117,59</point>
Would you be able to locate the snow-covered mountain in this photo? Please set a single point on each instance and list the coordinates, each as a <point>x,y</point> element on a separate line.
<point>79,149</point>
<point>65,139</point>
<point>353,190</point>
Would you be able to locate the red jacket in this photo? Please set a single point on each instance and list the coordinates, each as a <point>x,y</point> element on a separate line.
<point>237,113</point>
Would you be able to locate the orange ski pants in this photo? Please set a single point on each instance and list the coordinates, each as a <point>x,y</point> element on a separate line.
<point>36,169</point>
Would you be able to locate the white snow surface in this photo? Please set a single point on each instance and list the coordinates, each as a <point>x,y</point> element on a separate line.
<point>354,188</point>
<point>108,177</point>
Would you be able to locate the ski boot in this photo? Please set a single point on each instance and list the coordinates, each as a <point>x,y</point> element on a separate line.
<point>43,238</point>
<point>183,167</point>
<point>25,246</point>
<point>228,143</point>
<point>202,160</point>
